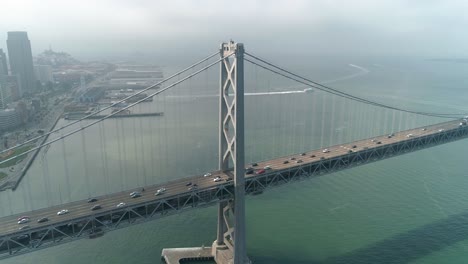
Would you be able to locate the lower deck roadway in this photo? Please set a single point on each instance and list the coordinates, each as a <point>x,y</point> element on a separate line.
<point>81,209</point>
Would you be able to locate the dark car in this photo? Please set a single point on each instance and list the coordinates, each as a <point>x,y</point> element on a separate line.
<point>285,162</point>
<point>378,142</point>
<point>354,146</point>
<point>312,156</point>
<point>303,154</point>
<point>43,219</point>
<point>350,151</point>
<point>299,161</point>
<point>92,200</point>
<point>249,171</point>
<point>96,207</point>
<point>293,158</point>
<point>254,164</point>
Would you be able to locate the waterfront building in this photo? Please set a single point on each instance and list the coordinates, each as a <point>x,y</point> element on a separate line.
<point>36,105</point>
<point>143,75</point>
<point>3,89</point>
<point>13,89</point>
<point>23,112</point>
<point>92,95</point>
<point>43,73</point>
<point>3,63</point>
<point>21,62</point>
<point>9,119</point>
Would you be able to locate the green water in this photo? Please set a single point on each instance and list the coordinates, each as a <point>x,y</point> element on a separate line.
<point>407,209</point>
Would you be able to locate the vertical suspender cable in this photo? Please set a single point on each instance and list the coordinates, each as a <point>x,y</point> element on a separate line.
<point>83,144</point>
<point>136,173</point>
<point>119,151</point>
<point>313,124</point>
<point>143,146</point>
<point>323,119</point>
<point>44,180</point>
<point>164,137</point>
<point>105,171</point>
<point>65,166</point>
<point>332,122</point>
<point>124,151</point>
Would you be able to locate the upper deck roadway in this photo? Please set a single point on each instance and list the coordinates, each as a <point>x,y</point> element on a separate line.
<point>82,222</point>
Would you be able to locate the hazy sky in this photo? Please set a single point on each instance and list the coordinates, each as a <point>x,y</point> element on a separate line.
<point>108,27</point>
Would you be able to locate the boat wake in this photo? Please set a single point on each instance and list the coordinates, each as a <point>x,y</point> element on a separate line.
<point>362,71</point>
<point>299,89</point>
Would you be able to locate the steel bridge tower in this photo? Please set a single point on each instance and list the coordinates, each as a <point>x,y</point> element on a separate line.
<point>231,214</point>
<point>229,246</point>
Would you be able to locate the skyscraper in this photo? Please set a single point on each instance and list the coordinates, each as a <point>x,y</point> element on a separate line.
<point>3,87</point>
<point>3,63</point>
<point>3,78</point>
<point>21,63</point>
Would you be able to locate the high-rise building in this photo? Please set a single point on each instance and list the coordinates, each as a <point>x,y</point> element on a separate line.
<point>9,118</point>
<point>3,88</point>
<point>3,63</point>
<point>21,62</point>
<point>43,73</point>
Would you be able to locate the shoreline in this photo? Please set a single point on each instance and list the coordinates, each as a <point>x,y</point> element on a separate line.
<point>33,157</point>
<point>12,182</point>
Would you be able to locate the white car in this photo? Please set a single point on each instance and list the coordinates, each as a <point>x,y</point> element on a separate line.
<point>325,151</point>
<point>268,167</point>
<point>135,194</point>
<point>441,130</point>
<point>409,135</point>
<point>217,179</point>
<point>160,191</point>
<point>208,174</point>
<point>121,204</point>
<point>62,212</point>
<point>22,217</point>
<point>23,221</point>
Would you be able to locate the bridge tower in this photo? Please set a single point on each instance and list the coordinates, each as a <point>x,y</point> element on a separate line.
<point>229,246</point>
<point>231,232</point>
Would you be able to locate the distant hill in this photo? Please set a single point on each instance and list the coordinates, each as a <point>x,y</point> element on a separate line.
<point>55,59</point>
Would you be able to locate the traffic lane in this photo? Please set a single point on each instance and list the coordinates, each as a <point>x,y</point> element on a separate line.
<point>178,185</point>
<point>109,204</point>
<point>337,150</point>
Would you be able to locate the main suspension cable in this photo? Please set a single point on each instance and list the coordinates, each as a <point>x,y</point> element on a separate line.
<point>117,112</point>
<point>328,89</point>
<point>113,104</point>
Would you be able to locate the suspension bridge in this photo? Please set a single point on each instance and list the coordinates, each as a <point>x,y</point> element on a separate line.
<point>288,136</point>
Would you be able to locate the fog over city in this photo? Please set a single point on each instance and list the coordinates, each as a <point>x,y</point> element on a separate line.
<point>91,28</point>
<point>233,132</point>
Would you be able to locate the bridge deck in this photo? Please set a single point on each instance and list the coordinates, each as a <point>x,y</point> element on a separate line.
<point>82,222</point>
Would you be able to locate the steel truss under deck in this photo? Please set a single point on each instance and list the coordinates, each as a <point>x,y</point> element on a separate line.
<point>98,224</point>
